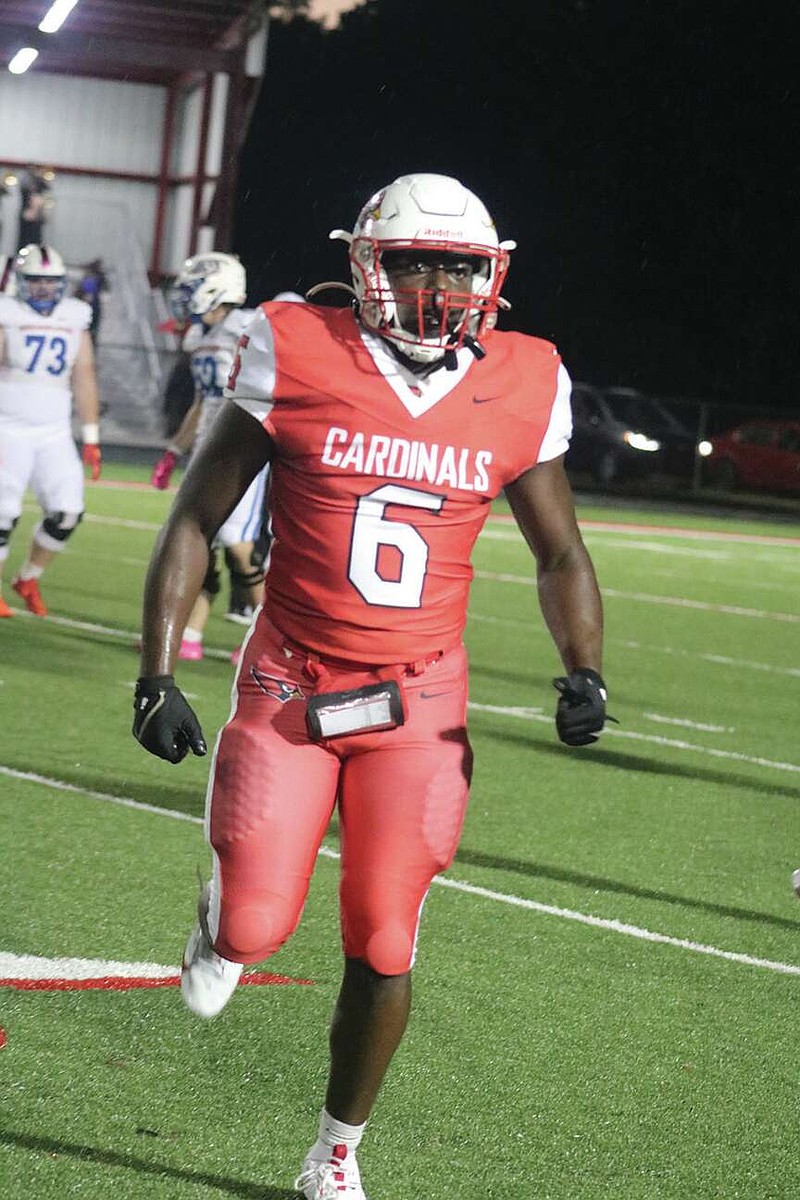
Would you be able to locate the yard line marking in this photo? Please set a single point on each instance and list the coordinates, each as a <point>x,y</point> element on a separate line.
<point>568,914</point>
<point>747,539</point>
<point>123,522</point>
<point>653,738</point>
<point>720,659</point>
<point>659,719</point>
<point>33,973</point>
<point>123,801</point>
<point>755,539</point>
<point>662,548</point>
<point>630,644</point>
<point>125,635</point>
<point>646,598</point>
<point>523,711</point>
<point>34,966</point>
<point>614,926</point>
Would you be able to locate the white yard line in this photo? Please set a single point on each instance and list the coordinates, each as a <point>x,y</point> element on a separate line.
<point>530,626</point>
<point>660,719</point>
<point>647,598</point>
<point>33,966</point>
<point>566,914</point>
<point>707,535</point>
<point>129,635</point>
<point>533,714</point>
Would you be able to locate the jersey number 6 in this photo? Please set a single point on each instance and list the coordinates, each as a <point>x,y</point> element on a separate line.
<point>371,530</point>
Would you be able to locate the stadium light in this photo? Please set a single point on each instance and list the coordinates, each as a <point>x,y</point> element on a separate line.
<point>22,60</point>
<point>56,15</point>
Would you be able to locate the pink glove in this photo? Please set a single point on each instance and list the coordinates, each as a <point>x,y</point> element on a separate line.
<point>162,471</point>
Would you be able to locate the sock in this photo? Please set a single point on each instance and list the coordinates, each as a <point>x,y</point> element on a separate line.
<point>29,570</point>
<point>192,635</point>
<point>336,1133</point>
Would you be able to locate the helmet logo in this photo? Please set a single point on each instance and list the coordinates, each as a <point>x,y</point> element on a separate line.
<point>450,235</point>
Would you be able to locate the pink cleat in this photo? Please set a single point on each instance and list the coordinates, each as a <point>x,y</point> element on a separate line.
<point>162,471</point>
<point>190,651</point>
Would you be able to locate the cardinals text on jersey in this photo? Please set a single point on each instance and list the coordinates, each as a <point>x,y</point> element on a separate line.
<point>382,483</point>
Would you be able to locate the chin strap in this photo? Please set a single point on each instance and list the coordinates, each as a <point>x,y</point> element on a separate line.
<point>450,357</point>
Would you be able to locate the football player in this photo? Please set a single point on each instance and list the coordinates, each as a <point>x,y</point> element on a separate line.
<point>208,294</point>
<point>390,426</point>
<point>46,362</point>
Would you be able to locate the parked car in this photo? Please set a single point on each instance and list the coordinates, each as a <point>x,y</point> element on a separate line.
<point>760,454</point>
<point>620,433</point>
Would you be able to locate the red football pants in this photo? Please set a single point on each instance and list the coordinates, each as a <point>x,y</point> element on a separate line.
<point>402,796</point>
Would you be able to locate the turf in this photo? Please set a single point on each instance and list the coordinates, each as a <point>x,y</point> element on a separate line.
<point>556,1050</point>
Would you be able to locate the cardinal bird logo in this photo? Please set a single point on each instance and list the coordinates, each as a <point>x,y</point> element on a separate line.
<point>278,689</point>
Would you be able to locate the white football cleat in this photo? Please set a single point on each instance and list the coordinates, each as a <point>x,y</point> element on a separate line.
<point>796,882</point>
<point>207,979</point>
<point>333,1178</point>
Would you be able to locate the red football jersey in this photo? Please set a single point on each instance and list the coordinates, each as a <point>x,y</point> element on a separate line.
<point>381,481</point>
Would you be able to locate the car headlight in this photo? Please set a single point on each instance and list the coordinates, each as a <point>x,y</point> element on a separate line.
<point>704,449</point>
<point>640,441</point>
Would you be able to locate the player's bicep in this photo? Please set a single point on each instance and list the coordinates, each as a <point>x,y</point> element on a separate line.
<point>542,504</point>
<point>234,451</point>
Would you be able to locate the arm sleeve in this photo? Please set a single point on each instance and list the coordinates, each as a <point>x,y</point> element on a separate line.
<point>559,429</point>
<point>251,383</point>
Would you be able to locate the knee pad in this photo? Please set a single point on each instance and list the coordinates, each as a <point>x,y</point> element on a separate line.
<point>211,583</point>
<point>56,528</point>
<point>389,950</point>
<point>253,927</point>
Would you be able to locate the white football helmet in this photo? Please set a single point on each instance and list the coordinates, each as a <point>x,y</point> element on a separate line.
<point>427,212</point>
<point>205,282</point>
<point>41,277</point>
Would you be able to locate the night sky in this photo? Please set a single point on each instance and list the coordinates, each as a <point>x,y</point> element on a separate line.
<point>643,153</point>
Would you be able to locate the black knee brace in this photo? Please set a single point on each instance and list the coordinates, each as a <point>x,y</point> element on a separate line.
<point>60,525</point>
<point>246,579</point>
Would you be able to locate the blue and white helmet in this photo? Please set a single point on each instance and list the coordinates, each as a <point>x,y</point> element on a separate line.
<point>206,281</point>
<point>41,277</point>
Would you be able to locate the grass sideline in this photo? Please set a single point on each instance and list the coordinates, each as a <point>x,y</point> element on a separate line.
<point>555,1049</point>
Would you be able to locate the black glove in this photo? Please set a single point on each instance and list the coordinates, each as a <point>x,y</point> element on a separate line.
<point>581,712</point>
<point>163,722</point>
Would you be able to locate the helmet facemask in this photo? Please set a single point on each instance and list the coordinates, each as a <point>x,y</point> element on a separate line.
<point>425,322</point>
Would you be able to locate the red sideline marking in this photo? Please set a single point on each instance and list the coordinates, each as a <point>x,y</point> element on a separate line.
<point>121,983</point>
<point>125,485</point>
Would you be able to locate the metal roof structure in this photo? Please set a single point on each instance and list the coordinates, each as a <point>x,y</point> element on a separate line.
<point>142,41</point>
<point>178,45</point>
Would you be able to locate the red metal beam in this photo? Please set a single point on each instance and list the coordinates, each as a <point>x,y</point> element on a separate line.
<point>202,161</point>
<point>163,182</point>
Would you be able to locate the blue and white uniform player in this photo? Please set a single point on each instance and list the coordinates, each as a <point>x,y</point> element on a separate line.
<point>208,293</point>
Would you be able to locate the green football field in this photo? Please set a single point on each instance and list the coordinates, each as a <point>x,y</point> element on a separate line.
<point>608,981</point>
